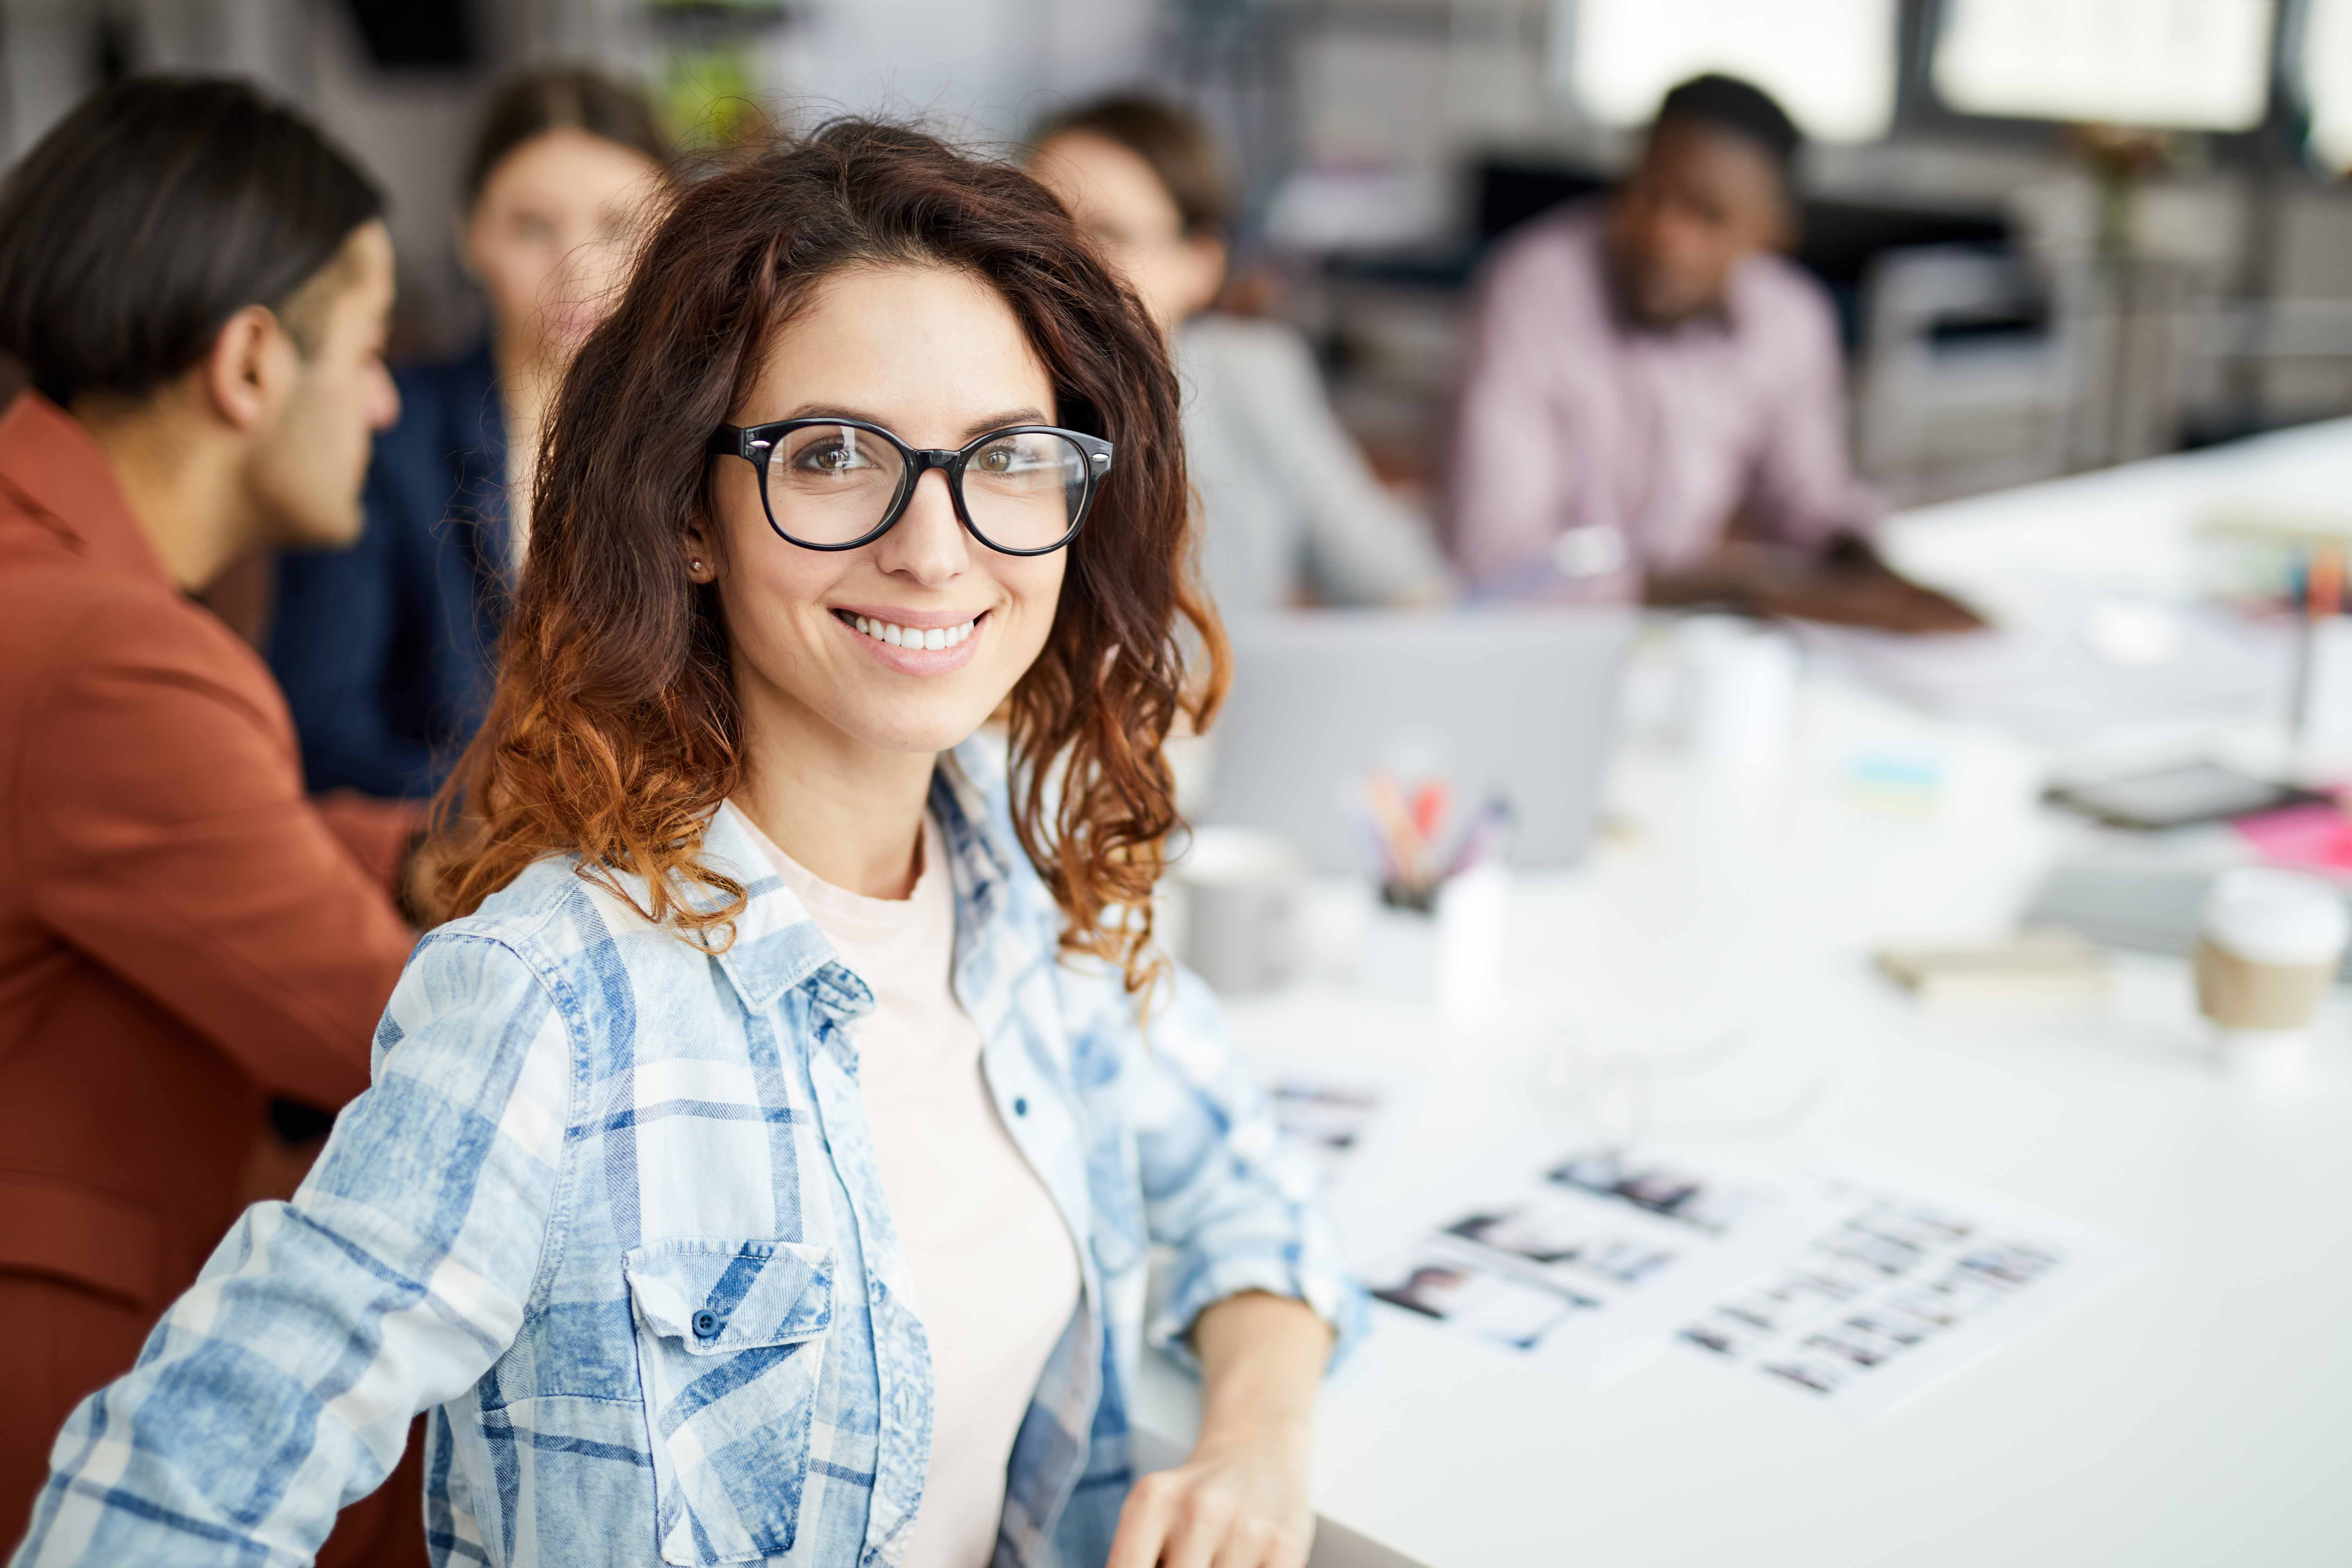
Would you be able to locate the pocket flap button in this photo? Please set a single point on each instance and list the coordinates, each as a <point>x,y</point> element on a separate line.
<point>706,1324</point>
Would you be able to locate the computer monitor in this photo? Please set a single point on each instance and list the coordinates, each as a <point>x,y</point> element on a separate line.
<point>1515,704</point>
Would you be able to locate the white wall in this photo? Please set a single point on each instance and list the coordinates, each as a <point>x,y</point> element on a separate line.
<point>980,69</point>
<point>51,49</point>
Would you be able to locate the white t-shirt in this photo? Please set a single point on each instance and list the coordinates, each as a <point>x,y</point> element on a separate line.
<point>995,1271</point>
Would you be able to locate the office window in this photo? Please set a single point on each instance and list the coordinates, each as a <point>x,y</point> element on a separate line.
<point>2326,72</point>
<point>1830,62</point>
<point>2199,65</point>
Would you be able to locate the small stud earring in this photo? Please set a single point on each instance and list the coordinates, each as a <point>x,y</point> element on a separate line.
<point>695,565</point>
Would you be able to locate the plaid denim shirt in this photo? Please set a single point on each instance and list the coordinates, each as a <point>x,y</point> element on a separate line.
<point>611,1212</point>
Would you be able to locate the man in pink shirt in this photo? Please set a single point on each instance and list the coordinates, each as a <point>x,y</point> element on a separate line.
<point>1653,405</point>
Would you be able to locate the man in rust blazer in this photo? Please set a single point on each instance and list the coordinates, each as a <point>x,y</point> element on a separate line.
<point>196,288</point>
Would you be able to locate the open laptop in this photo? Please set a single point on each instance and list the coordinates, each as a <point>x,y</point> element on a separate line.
<point>1519,704</point>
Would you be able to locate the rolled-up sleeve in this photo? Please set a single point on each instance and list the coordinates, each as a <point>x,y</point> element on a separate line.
<point>1241,1208</point>
<point>280,1386</point>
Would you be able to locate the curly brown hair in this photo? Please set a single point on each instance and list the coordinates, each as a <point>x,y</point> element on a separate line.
<point>615,731</point>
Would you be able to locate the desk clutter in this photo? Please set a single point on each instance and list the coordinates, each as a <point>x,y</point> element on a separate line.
<point>2244,875</point>
<point>1431,935</point>
<point>2293,571</point>
<point>2265,945</point>
<point>2266,939</point>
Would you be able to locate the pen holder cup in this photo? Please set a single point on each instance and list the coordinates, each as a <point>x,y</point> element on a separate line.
<point>1448,957</point>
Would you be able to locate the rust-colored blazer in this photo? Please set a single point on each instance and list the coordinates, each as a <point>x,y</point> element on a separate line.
<point>183,934</point>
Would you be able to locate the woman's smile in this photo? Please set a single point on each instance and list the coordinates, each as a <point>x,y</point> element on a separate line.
<point>916,642</point>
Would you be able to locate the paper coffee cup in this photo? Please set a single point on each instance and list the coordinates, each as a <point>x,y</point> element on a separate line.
<point>2267,953</point>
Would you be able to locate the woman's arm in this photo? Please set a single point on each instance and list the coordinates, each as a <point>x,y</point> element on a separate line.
<point>279,1387</point>
<point>1242,1210</point>
<point>1260,1297</point>
<point>1241,1499</point>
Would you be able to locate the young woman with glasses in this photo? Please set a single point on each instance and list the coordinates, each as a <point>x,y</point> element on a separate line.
<point>763,1161</point>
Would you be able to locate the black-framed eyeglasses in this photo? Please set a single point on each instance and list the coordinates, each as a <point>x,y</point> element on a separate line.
<point>835,484</point>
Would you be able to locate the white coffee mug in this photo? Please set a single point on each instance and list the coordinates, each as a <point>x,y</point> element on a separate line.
<point>1242,888</point>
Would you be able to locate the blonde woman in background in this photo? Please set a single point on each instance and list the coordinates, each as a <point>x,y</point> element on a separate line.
<point>1290,511</point>
<point>385,652</point>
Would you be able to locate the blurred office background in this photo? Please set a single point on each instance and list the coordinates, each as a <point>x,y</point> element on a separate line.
<point>2062,233</point>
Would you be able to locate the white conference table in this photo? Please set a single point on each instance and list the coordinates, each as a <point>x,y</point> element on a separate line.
<point>2199,1413</point>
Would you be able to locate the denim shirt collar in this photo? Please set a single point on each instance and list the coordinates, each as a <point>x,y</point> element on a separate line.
<point>777,945</point>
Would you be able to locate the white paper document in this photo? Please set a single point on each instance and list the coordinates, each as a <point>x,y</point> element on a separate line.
<point>1583,1252</point>
<point>1343,1118</point>
<point>2077,666</point>
<point>1897,1287</point>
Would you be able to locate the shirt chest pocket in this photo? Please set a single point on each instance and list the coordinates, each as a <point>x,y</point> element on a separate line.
<point>730,1338</point>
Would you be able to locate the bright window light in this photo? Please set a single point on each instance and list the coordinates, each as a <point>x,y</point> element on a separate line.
<point>2327,69</point>
<point>2197,65</point>
<point>1830,62</point>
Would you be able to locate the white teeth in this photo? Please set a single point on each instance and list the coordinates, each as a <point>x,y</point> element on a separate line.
<point>931,638</point>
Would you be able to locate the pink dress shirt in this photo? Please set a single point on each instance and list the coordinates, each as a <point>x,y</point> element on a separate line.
<point>1590,451</point>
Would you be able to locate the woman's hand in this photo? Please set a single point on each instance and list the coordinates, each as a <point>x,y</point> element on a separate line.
<point>1241,1499</point>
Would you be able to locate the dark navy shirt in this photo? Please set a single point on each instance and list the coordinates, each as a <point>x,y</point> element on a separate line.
<point>387,650</point>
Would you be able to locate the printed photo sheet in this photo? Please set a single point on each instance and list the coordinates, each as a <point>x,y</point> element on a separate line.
<point>1898,1288</point>
<point>1345,1118</point>
<point>1580,1252</point>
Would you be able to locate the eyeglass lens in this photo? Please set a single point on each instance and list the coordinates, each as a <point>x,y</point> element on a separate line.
<point>831,484</point>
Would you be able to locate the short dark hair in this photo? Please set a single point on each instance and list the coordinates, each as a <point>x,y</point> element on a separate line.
<point>1171,140</point>
<point>155,211</point>
<point>1726,103</point>
<point>530,106</point>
